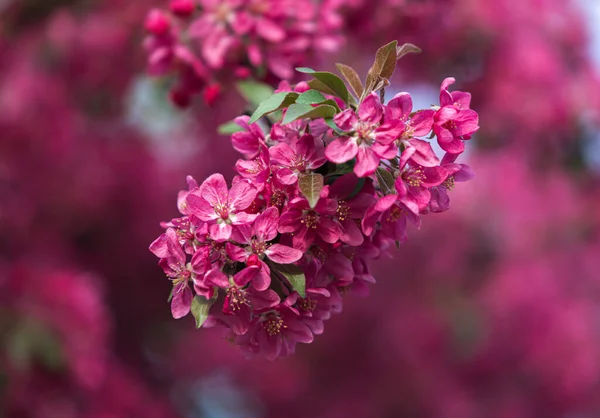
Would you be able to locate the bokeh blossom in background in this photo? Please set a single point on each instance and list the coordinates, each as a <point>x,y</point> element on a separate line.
<point>489,310</point>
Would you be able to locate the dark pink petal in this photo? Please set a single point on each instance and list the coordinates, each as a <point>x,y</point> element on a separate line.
<point>303,238</point>
<point>244,276</point>
<point>371,109</point>
<point>350,233</point>
<point>345,120</point>
<point>270,347</point>
<point>214,190</point>
<point>466,173</point>
<point>328,230</point>
<point>424,154</point>
<point>340,267</point>
<point>369,220</point>
<point>262,280</point>
<point>445,96</point>
<point>385,152</point>
<point>385,202</point>
<point>263,300</point>
<point>246,143</point>
<point>241,196</point>
<point>399,107</point>
<point>434,176</point>
<point>286,176</point>
<point>201,260</point>
<point>235,252</point>
<point>316,326</point>
<point>265,225</point>
<point>341,150</point>
<point>290,221</point>
<point>343,186</point>
<point>220,232</point>
<point>421,196</point>
<point>461,99</point>
<point>445,114</point>
<point>283,254</point>
<point>282,154</point>
<point>299,332</point>
<point>421,122</point>
<point>199,207</point>
<point>389,132</point>
<point>182,300</point>
<point>394,229</point>
<point>467,122</point>
<point>215,277</point>
<point>366,162</point>
<point>159,247</point>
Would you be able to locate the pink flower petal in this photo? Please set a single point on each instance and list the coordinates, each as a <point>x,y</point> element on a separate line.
<point>182,300</point>
<point>371,109</point>
<point>283,254</point>
<point>341,150</point>
<point>366,162</point>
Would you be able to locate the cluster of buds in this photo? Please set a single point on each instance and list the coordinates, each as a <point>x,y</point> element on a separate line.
<point>330,187</point>
<point>205,42</point>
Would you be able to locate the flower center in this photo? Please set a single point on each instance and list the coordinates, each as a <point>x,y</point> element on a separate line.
<point>394,214</point>
<point>343,210</point>
<point>235,299</point>
<point>310,219</point>
<point>449,183</point>
<point>258,247</point>
<point>273,325</point>
<point>414,177</point>
<point>307,305</point>
<point>365,133</point>
<point>298,163</point>
<point>450,125</point>
<point>277,198</point>
<point>222,210</point>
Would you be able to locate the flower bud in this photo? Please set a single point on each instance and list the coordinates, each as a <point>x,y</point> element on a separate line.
<point>182,8</point>
<point>157,22</point>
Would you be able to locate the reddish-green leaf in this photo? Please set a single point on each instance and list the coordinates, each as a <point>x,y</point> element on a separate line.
<point>201,307</point>
<point>310,185</point>
<point>352,78</point>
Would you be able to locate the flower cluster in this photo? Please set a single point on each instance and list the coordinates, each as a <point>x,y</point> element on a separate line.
<point>318,197</point>
<point>205,42</point>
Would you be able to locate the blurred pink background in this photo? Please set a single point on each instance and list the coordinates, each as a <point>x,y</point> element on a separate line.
<point>491,310</point>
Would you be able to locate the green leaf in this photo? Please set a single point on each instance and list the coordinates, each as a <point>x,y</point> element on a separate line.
<point>332,125</point>
<point>310,185</point>
<point>385,180</point>
<point>352,78</point>
<point>273,103</point>
<point>311,97</point>
<point>301,111</point>
<point>170,295</point>
<point>382,68</point>
<point>201,307</point>
<point>229,128</point>
<point>254,92</point>
<point>406,49</point>
<point>294,275</point>
<point>332,82</point>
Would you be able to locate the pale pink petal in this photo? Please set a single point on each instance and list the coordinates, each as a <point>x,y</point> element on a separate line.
<point>341,150</point>
<point>265,225</point>
<point>200,208</point>
<point>286,176</point>
<point>214,190</point>
<point>241,196</point>
<point>182,300</point>
<point>220,232</point>
<point>269,30</point>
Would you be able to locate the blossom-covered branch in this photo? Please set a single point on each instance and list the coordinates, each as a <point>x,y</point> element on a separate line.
<point>331,186</point>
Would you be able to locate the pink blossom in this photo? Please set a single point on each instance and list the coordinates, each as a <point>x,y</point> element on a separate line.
<point>304,154</point>
<point>370,139</point>
<point>213,202</point>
